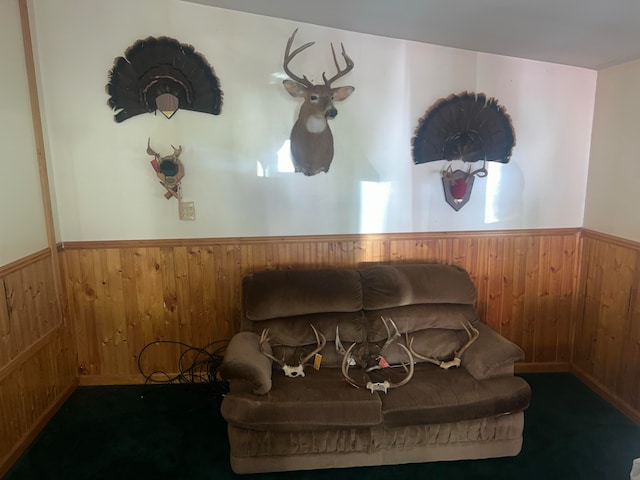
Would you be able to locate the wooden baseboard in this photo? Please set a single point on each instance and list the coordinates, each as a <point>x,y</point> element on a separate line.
<point>28,437</point>
<point>542,367</point>
<point>97,380</point>
<point>593,384</point>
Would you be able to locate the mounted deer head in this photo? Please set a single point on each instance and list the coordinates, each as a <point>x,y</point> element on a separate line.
<point>311,138</point>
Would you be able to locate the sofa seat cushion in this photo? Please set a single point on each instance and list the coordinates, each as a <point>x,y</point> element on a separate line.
<point>435,396</point>
<point>320,400</point>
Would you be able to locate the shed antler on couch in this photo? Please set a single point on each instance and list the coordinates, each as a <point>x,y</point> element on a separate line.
<point>392,336</point>
<point>473,335</point>
<point>289,370</point>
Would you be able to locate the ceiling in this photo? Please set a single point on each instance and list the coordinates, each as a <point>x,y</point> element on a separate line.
<point>594,34</point>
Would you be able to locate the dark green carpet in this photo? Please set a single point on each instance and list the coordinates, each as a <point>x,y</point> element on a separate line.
<point>176,432</point>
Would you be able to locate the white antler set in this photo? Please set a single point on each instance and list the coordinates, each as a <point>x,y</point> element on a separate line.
<point>293,370</point>
<point>473,335</point>
<point>371,362</point>
<point>392,336</point>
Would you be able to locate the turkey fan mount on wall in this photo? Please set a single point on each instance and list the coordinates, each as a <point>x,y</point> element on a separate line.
<point>469,127</point>
<point>162,74</point>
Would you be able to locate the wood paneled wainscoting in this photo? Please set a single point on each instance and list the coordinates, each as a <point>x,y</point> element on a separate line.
<point>606,347</point>
<point>123,295</point>
<point>37,355</point>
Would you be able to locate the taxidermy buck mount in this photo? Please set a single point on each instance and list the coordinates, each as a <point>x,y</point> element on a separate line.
<point>469,127</point>
<point>311,138</point>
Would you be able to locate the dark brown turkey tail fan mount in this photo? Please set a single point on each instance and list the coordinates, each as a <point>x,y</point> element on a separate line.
<point>162,67</point>
<point>468,127</point>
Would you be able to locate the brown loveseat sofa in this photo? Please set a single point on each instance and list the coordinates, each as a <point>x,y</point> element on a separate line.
<point>319,420</point>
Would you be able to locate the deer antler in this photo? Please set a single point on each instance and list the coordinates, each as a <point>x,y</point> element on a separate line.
<point>391,337</point>
<point>289,56</point>
<point>473,335</point>
<point>266,338</point>
<point>291,370</point>
<point>150,150</point>
<point>321,341</point>
<point>379,386</point>
<point>177,151</point>
<point>345,369</point>
<point>341,73</point>
<point>480,172</point>
<point>340,348</point>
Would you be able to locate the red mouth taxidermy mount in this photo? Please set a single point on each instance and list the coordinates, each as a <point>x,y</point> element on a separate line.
<point>311,137</point>
<point>469,127</point>
<point>457,184</point>
<point>169,170</point>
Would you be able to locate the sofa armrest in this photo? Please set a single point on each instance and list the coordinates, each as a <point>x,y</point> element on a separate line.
<point>244,361</point>
<point>491,355</point>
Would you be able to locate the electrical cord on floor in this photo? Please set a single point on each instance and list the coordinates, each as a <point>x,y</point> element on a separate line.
<point>194,365</point>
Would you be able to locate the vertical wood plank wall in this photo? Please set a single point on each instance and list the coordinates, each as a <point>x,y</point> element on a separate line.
<point>37,351</point>
<point>37,355</point>
<point>606,350</point>
<point>123,295</point>
<point>570,298</point>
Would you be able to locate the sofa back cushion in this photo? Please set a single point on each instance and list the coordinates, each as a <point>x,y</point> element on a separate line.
<point>429,303</point>
<point>385,286</point>
<point>288,302</point>
<point>293,338</point>
<point>411,318</point>
<point>287,293</point>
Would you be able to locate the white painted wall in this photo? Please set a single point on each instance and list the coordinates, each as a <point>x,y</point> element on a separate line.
<point>614,171</point>
<point>22,225</point>
<point>106,188</point>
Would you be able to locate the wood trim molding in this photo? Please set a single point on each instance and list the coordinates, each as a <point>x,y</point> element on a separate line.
<point>612,239</point>
<point>593,384</point>
<point>98,380</point>
<point>37,122</point>
<point>40,151</point>
<point>24,262</point>
<point>542,367</point>
<point>186,242</point>
<point>28,353</point>
<point>578,300</point>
